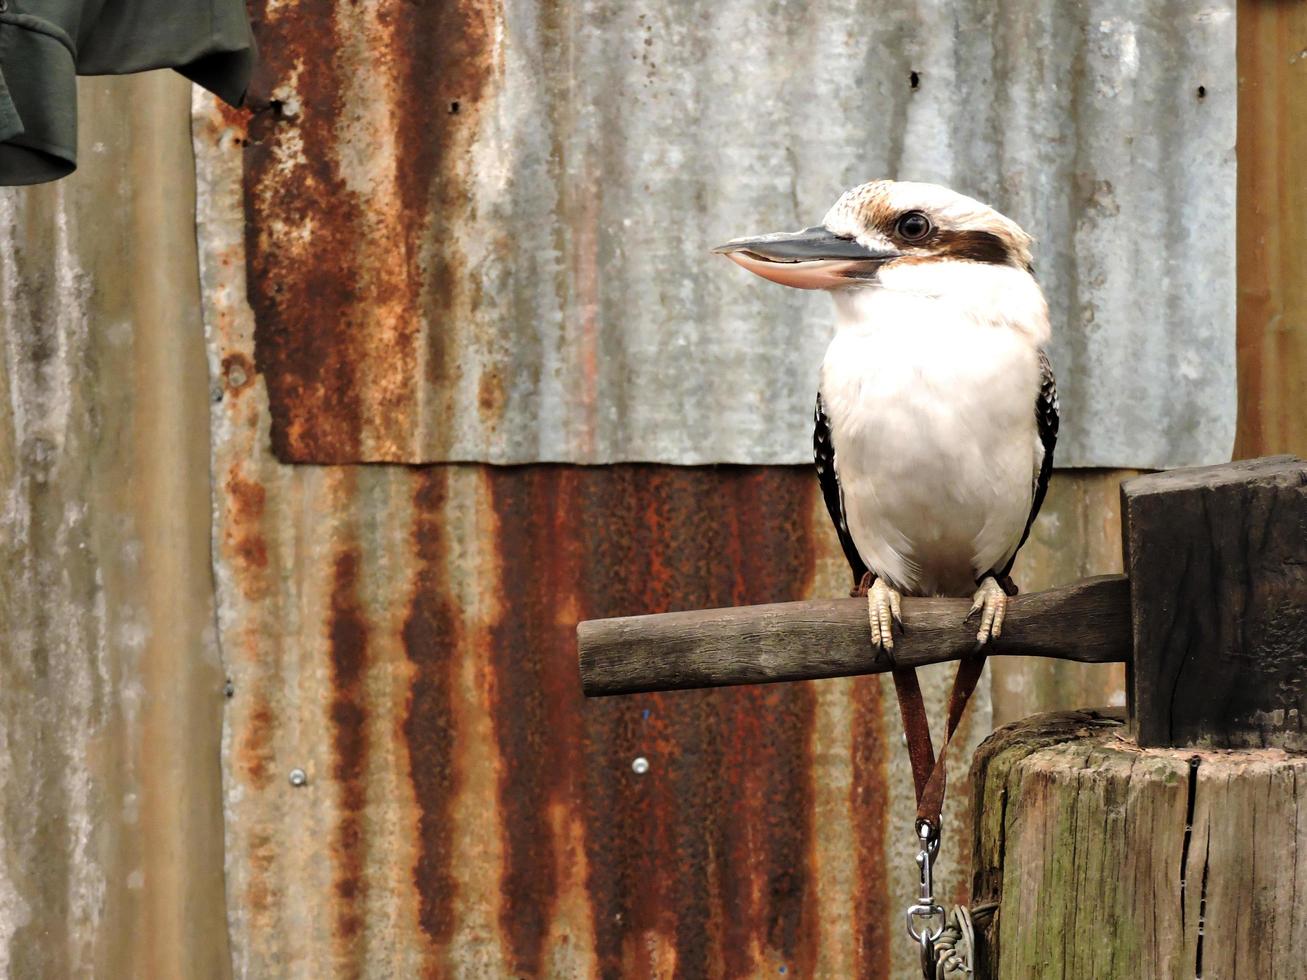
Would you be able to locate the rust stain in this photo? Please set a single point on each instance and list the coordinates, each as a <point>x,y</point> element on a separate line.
<point>542,728</point>
<point>303,309</point>
<point>254,705</point>
<point>237,373</point>
<point>348,644</point>
<point>232,119</point>
<point>874,918</point>
<point>263,894</point>
<point>255,750</point>
<point>773,735</point>
<point>709,849</point>
<point>260,896</point>
<point>246,544</point>
<point>449,63</point>
<point>351,253</point>
<point>490,394</point>
<point>431,637</point>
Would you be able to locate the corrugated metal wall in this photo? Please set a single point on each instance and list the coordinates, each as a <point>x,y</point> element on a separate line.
<point>403,635</point>
<point>516,202</point>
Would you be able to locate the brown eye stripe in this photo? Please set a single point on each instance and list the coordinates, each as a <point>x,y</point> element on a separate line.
<point>978,246</point>
<point>972,245</point>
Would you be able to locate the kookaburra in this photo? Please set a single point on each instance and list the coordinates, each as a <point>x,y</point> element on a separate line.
<point>936,408</point>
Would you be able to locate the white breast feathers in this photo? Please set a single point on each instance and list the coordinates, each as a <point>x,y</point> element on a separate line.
<point>930,386</point>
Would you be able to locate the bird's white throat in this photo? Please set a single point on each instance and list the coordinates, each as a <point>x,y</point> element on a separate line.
<point>919,292</point>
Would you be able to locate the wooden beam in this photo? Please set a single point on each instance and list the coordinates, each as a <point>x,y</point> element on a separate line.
<point>1088,622</point>
<point>1217,558</point>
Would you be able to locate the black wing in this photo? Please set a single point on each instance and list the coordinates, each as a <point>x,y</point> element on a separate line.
<point>1046,418</point>
<point>824,454</point>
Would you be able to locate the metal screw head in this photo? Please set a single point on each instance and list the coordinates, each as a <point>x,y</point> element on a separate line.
<point>298,777</point>
<point>640,766</point>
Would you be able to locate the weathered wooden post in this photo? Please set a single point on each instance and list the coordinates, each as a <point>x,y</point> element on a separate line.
<point>1172,843</point>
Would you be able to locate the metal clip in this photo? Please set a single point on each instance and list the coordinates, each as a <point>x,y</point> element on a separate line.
<point>925,909</point>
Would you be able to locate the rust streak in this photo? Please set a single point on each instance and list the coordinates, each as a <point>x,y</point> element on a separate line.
<point>771,519</point>
<point>452,63</point>
<point>491,396</point>
<point>536,705</point>
<point>873,916</point>
<point>708,850</point>
<point>348,639</point>
<point>245,543</point>
<point>431,637</point>
<point>350,242</point>
<point>262,898</point>
<point>303,298</point>
<point>255,753</point>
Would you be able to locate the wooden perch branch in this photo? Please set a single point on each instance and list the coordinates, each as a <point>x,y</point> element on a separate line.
<point>1088,622</point>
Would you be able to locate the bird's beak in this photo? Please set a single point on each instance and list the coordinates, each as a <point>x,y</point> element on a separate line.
<point>814,258</point>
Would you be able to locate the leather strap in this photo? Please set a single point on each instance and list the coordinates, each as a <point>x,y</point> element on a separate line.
<point>912,708</point>
<point>929,774</point>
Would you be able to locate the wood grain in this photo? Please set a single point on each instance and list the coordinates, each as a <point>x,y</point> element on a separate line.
<point>1115,861</point>
<point>1086,622</point>
<point>1272,237</point>
<point>1217,559</point>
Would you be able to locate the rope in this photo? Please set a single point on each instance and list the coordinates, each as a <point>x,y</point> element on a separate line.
<point>956,949</point>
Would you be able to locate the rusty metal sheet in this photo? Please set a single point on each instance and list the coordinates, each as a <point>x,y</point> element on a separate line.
<point>110,694</point>
<point>480,231</point>
<point>404,638</point>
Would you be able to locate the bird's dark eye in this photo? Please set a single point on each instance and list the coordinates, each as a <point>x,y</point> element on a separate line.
<point>913,226</point>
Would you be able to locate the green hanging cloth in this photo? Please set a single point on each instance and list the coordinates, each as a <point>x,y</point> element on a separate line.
<point>44,44</point>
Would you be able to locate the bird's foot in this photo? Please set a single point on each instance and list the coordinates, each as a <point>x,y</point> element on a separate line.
<point>991,602</point>
<point>883,602</point>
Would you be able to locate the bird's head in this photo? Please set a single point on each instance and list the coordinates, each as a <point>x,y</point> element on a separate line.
<point>882,228</point>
